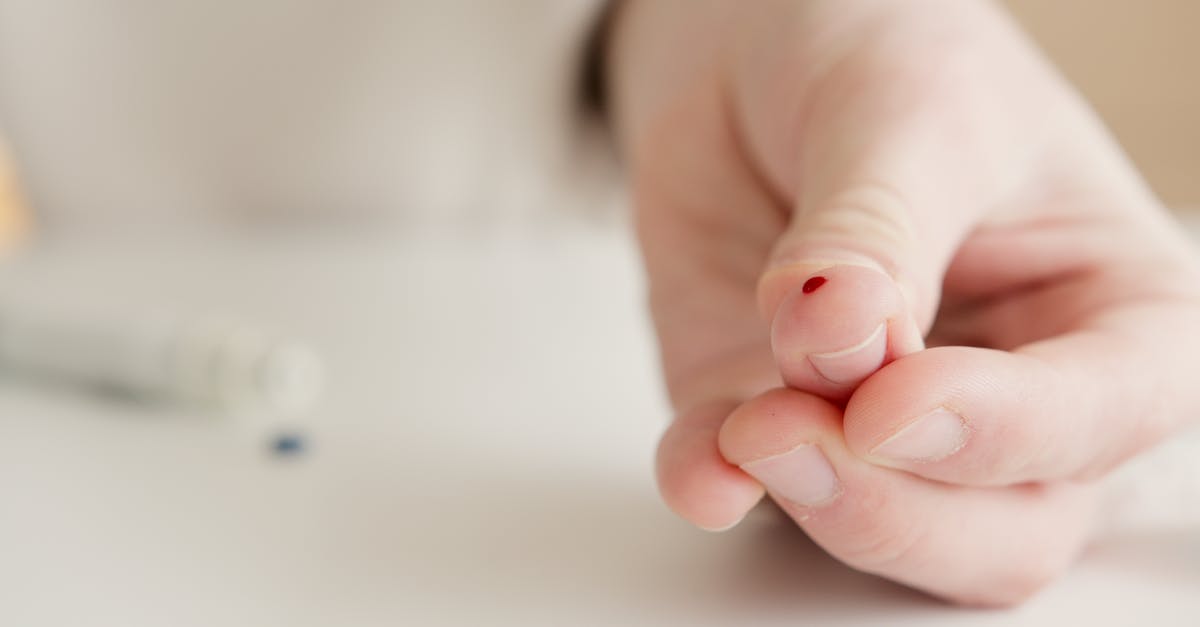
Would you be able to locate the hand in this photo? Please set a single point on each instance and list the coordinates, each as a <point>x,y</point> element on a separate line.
<point>929,179</point>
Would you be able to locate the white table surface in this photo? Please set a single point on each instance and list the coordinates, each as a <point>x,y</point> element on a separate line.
<point>482,457</point>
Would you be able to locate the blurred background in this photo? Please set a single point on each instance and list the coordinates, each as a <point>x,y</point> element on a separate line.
<point>127,115</point>
<point>133,115</point>
<point>408,190</point>
<point>1137,64</point>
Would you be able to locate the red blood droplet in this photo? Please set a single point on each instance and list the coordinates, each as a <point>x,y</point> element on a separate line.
<point>813,284</point>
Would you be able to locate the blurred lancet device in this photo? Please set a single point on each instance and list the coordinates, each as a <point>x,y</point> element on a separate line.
<point>212,364</point>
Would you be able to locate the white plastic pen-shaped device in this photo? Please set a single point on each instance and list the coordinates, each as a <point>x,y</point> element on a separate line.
<point>206,363</point>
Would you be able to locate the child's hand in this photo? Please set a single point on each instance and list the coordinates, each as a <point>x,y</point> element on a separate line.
<point>927,164</point>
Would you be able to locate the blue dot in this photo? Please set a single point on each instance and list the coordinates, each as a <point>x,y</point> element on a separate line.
<point>288,444</point>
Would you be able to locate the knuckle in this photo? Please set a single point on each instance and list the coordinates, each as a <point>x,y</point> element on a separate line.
<point>871,208</point>
<point>872,217</point>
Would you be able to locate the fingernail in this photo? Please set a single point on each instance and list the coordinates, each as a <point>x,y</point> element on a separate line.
<point>722,528</point>
<point>934,436</point>
<point>802,475</point>
<point>852,364</point>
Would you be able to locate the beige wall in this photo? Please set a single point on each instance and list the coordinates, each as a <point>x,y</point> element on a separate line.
<point>1138,61</point>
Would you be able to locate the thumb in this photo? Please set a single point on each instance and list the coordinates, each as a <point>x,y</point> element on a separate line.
<point>839,323</point>
<point>855,280</point>
<point>889,151</point>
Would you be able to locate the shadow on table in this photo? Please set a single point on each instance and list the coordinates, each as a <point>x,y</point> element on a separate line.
<point>1168,556</point>
<point>534,545</point>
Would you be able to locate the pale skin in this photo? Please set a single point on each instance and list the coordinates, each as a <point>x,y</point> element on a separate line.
<point>983,240</point>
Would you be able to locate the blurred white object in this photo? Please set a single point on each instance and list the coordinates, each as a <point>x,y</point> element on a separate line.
<point>206,363</point>
<point>217,112</point>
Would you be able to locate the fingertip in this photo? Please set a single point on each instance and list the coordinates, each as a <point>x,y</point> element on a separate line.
<point>904,391</point>
<point>791,441</point>
<point>774,423</point>
<point>694,479</point>
<point>837,325</point>
<point>954,414</point>
<point>850,365</point>
<point>783,279</point>
<point>992,547</point>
